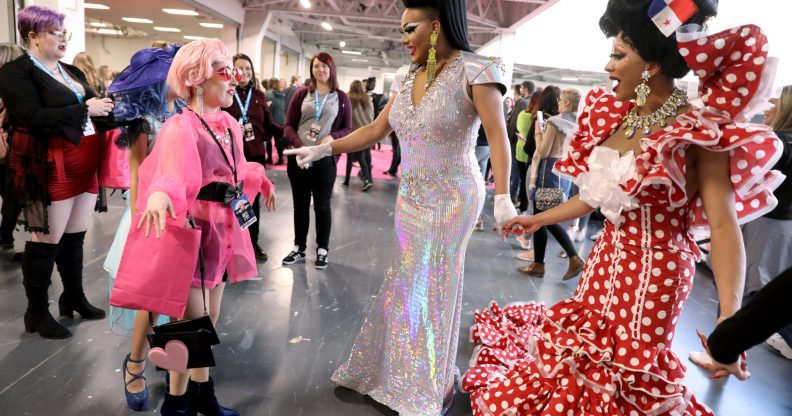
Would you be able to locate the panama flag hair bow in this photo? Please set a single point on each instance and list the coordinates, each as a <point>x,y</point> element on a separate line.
<point>669,15</point>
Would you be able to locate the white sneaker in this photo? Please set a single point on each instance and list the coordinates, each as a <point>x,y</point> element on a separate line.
<point>527,255</point>
<point>580,235</point>
<point>525,243</point>
<point>777,342</point>
<point>597,235</point>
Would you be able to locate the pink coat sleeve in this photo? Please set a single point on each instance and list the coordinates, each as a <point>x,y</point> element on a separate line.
<point>173,167</point>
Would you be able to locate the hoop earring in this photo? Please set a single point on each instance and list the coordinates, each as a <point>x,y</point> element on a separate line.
<point>431,61</point>
<point>642,90</point>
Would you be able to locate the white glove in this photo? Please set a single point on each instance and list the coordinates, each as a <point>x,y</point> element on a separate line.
<point>504,210</point>
<point>307,154</point>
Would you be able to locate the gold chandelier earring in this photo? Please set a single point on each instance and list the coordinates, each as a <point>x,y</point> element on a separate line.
<point>642,90</point>
<point>431,61</point>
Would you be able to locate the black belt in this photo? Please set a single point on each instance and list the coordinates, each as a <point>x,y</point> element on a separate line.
<point>218,192</point>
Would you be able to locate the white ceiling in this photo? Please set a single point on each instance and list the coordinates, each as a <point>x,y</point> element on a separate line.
<point>567,34</point>
<point>371,26</point>
<point>152,9</point>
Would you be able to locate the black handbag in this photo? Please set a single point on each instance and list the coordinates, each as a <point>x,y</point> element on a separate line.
<point>198,334</point>
<point>548,198</point>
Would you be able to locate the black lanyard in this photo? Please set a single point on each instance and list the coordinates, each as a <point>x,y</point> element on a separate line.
<point>220,146</point>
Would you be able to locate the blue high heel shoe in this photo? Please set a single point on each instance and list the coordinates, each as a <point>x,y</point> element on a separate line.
<point>135,401</point>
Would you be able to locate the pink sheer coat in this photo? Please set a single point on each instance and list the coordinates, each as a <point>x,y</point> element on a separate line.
<point>186,158</point>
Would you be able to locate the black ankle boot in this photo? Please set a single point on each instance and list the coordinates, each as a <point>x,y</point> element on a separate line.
<point>203,400</point>
<point>176,406</point>
<point>70,266</point>
<point>37,263</point>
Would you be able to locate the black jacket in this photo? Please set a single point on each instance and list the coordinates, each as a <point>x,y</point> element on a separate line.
<point>783,211</point>
<point>39,103</point>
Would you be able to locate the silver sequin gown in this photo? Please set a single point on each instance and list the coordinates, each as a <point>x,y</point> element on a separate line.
<point>405,352</point>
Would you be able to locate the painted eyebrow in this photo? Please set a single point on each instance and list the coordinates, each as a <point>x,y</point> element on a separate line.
<point>410,23</point>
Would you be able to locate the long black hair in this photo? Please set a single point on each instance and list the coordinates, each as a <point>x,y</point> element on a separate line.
<point>631,19</point>
<point>452,15</point>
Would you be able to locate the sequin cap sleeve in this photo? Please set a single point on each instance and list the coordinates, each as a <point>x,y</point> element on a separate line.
<point>483,70</point>
<point>398,80</point>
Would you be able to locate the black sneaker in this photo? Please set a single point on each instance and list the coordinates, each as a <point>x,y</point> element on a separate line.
<point>260,254</point>
<point>321,259</point>
<point>294,257</point>
<point>366,186</point>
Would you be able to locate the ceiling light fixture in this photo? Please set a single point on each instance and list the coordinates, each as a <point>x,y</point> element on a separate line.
<point>352,52</point>
<point>181,12</point>
<point>359,60</point>
<point>305,3</point>
<point>570,79</point>
<point>167,29</point>
<point>137,20</point>
<point>99,24</point>
<point>342,44</point>
<point>190,37</point>
<point>112,32</point>
<point>327,26</point>
<point>212,25</point>
<point>95,6</point>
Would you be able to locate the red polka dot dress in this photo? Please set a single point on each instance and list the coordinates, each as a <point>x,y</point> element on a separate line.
<point>607,350</point>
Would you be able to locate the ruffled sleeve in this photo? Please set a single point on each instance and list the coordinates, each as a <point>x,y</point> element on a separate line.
<point>731,65</point>
<point>173,167</point>
<point>481,70</point>
<point>600,117</point>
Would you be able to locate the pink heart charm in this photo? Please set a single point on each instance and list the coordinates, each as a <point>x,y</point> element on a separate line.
<point>173,357</point>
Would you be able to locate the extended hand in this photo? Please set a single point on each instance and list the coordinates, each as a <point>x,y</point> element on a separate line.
<point>270,202</point>
<point>157,207</point>
<point>308,154</point>
<point>704,360</point>
<point>525,224</point>
<point>504,210</point>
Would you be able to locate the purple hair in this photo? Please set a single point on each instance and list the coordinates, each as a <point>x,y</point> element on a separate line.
<point>38,19</point>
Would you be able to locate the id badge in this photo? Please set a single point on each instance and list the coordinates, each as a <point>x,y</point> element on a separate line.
<point>243,211</point>
<point>88,128</point>
<point>247,130</point>
<point>313,134</point>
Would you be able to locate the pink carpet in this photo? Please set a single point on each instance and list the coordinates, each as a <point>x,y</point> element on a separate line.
<point>380,159</point>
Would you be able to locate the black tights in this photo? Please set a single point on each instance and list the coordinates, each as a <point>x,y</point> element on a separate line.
<point>540,240</point>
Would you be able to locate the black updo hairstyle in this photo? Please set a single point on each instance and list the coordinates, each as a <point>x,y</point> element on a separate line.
<point>631,19</point>
<point>452,15</point>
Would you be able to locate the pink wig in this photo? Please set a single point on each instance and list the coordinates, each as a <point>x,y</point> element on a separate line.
<point>192,65</point>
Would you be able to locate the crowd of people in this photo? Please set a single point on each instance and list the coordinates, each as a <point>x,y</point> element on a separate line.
<point>196,128</point>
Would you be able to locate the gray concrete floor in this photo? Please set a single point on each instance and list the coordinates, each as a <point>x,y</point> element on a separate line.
<point>260,373</point>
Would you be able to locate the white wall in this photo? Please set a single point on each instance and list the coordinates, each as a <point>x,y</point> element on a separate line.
<point>266,69</point>
<point>345,77</point>
<point>6,21</point>
<point>113,52</point>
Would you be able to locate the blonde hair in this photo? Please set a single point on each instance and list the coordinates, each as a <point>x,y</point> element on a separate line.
<point>573,96</point>
<point>192,65</point>
<point>83,61</point>
<point>9,52</point>
<point>783,119</point>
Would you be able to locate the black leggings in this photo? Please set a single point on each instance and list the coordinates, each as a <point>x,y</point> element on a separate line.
<point>364,158</point>
<point>540,240</point>
<point>316,181</point>
<point>254,229</point>
<point>523,194</point>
